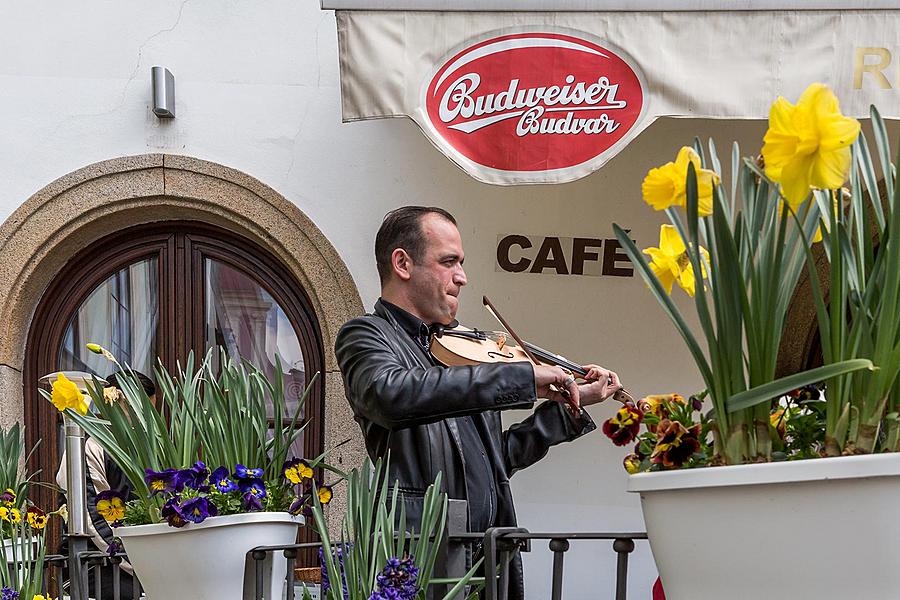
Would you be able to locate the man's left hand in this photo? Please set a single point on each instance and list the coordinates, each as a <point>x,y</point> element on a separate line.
<point>599,385</point>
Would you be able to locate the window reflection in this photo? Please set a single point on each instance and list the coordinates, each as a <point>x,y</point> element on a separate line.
<point>122,315</point>
<point>248,322</point>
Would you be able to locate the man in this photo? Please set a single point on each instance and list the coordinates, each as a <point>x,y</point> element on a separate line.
<point>432,418</point>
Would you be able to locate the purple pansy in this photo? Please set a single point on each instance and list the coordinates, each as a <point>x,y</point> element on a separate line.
<point>221,482</point>
<point>172,513</point>
<point>194,477</point>
<point>197,510</point>
<point>252,503</point>
<point>166,481</point>
<point>242,472</point>
<point>254,487</point>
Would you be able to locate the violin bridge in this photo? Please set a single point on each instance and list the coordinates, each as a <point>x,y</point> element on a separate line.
<point>501,340</point>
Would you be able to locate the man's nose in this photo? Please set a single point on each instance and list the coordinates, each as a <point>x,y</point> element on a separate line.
<point>460,277</point>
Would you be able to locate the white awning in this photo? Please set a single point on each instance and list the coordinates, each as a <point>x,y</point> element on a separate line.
<point>548,97</point>
<point>607,5</point>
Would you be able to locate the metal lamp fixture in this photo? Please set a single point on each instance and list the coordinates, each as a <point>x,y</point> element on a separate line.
<point>163,92</point>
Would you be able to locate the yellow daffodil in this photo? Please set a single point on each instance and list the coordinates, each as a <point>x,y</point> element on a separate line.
<point>66,394</point>
<point>665,186</point>
<point>808,144</point>
<point>98,349</point>
<point>670,262</point>
<point>110,395</point>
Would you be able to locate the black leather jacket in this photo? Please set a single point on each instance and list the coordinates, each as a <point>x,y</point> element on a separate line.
<point>402,403</point>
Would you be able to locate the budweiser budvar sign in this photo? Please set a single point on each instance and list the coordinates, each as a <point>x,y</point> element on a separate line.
<point>533,107</point>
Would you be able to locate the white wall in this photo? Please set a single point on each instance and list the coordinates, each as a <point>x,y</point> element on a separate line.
<point>257,90</point>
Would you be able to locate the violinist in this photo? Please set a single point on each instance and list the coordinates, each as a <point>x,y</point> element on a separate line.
<point>432,418</point>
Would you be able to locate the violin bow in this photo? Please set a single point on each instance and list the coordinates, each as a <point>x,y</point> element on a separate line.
<point>573,408</point>
<point>621,395</point>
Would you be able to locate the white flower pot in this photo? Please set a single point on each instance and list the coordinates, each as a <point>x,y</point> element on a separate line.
<point>824,529</point>
<point>29,550</point>
<point>206,561</point>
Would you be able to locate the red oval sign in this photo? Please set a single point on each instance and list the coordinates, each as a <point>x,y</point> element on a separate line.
<point>533,107</point>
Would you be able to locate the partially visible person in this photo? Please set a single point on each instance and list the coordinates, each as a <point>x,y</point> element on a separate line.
<point>104,474</point>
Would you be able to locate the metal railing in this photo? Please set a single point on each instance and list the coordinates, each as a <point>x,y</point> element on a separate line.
<point>499,546</point>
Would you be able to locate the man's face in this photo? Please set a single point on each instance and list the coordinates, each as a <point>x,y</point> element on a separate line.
<point>438,276</point>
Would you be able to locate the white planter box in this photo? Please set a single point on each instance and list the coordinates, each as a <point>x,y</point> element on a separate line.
<point>824,529</point>
<point>206,561</point>
<point>19,546</point>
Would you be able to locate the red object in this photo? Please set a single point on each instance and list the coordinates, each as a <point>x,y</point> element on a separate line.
<point>536,101</point>
<point>658,593</point>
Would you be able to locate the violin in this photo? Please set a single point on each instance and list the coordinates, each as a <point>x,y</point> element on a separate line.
<point>458,345</point>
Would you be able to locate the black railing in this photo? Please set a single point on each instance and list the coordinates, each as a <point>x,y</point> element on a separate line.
<point>497,546</point>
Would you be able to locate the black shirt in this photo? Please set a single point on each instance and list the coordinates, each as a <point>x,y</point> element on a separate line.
<point>480,486</point>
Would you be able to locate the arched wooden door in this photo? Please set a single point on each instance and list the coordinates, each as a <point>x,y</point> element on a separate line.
<point>162,290</point>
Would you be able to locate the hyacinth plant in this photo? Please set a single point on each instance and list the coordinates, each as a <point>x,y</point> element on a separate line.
<point>739,251</point>
<point>859,311</point>
<point>377,557</point>
<point>205,416</point>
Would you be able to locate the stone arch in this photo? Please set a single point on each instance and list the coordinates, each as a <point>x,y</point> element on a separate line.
<point>81,207</point>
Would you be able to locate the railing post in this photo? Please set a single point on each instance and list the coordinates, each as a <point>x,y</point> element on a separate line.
<point>623,547</point>
<point>451,557</point>
<point>291,555</point>
<point>559,547</point>
<point>258,557</point>
<point>76,498</point>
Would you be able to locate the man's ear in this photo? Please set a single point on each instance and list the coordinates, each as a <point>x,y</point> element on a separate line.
<point>401,263</point>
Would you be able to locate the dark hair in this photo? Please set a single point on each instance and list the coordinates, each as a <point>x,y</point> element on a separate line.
<point>146,382</point>
<point>402,228</point>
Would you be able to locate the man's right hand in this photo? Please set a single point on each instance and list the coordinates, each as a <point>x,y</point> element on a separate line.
<point>546,375</point>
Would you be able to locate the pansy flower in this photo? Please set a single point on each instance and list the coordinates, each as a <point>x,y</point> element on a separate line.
<point>10,515</point>
<point>300,506</point>
<point>36,518</point>
<point>675,443</point>
<point>221,482</point>
<point>623,427</point>
<point>632,463</point>
<point>172,513</point>
<point>324,493</point>
<point>297,471</point>
<point>197,510</point>
<point>111,505</point>
<point>242,472</point>
<point>252,503</point>
<point>195,476</point>
<point>255,487</point>
<point>115,547</point>
<point>8,497</point>
<point>163,481</point>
